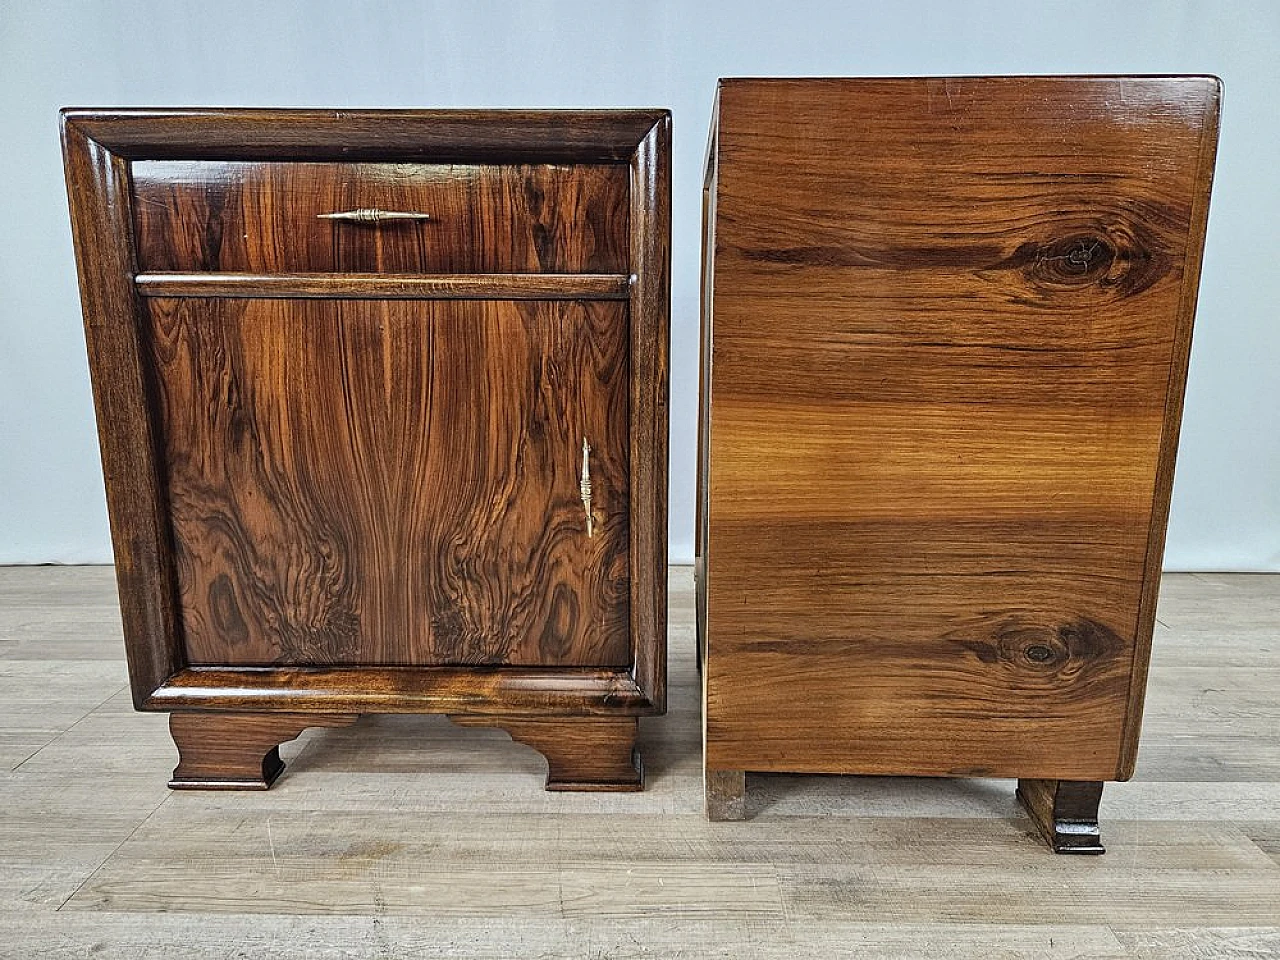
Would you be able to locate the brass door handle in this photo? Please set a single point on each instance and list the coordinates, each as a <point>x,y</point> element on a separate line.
<point>373,215</point>
<point>584,487</point>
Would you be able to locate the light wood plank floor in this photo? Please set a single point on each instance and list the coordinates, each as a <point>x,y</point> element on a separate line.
<point>408,837</point>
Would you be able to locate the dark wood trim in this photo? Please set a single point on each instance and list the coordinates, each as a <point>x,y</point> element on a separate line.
<point>597,755</point>
<point>99,196</point>
<point>1087,79</point>
<point>650,335</point>
<point>499,691</point>
<point>703,463</point>
<point>220,751</point>
<point>1211,88</point>
<point>375,286</point>
<point>1065,812</point>
<point>535,136</point>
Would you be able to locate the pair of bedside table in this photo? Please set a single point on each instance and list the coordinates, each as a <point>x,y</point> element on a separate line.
<point>382,399</point>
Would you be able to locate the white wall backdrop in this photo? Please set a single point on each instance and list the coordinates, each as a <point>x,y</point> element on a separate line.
<point>1226,512</point>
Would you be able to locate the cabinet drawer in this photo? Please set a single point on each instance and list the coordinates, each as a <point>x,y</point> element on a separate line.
<point>268,217</point>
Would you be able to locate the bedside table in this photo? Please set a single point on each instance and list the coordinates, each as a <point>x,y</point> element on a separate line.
<point>382,405</point>
<point>946,325</point>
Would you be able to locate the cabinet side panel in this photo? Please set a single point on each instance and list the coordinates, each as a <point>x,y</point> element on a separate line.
<point>650,308</point>
<point>945,323</point>
<point>396,482</point>
<point>99,198</point>
<point>1209,99</point>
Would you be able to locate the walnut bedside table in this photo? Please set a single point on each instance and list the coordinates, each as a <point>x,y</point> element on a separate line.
<point>382,398</point>
<point>946,325</point>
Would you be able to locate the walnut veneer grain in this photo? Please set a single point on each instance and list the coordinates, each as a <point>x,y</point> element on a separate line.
<point>946,327</point>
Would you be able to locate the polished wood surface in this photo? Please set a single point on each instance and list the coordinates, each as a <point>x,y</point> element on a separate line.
<point>101,226</point>
<point>267,217</point>
<point>515,691</point>
<point>358,442</point>
<point>395,483</point>
<point>375,286</point>
<point>649,308</point>
<point>947,325</point>
<point>590,755</point>
<point>409,836</point>
<point>417,136</point>
<point>228,751</point>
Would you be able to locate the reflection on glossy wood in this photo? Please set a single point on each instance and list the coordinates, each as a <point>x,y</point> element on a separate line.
<point>410,136</point>
<point>377,286</point>
<point>947,325</point>
<point>267,217</point>
<point>515,691</point>
<point>381,482</point>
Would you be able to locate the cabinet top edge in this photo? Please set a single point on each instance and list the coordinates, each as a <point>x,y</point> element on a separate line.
<point>1191,95</point>
<point>985,78</point>
<point>339,114</point>
<point>254,132</point>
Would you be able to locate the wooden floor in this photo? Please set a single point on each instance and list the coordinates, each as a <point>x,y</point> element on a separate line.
<point>408,837</point>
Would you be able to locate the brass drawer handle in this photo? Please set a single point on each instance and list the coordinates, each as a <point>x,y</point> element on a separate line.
<point>584,487</point>
<point>373,215</point>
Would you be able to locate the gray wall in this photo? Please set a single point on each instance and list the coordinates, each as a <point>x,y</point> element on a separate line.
<point>1226,513</point>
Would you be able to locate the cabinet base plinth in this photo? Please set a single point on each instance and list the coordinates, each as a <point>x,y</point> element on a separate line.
<point>582,753</point>
<point>237,751</point>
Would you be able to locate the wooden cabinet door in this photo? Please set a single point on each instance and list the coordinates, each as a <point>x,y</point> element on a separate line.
<point>383,482</point>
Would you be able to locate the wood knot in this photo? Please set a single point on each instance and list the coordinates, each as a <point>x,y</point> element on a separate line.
<point>1109,255</point>
<point>1084,258</point>
<point>1038,653</point>
<point>1062,652</point>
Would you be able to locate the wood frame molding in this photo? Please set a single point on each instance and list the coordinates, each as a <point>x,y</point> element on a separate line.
<point>98,146</point>
<point>376,286</point>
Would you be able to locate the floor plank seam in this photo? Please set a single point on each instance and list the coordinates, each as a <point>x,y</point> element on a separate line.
<point>58,736</point>
<point>116,849</point>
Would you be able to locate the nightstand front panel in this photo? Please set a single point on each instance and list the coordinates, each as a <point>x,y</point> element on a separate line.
<point>395,483</point>
<point>254,217</point>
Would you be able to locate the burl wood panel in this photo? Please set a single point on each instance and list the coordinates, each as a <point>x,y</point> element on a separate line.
<point>948,330</point>
<point>395,482</point>
<point>259,217</point>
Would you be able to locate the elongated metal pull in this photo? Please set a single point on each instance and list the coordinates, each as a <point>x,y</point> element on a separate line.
<point>373,215</point>
<point>584,487</point>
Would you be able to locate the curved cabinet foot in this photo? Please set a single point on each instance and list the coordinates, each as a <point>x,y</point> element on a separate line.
<point>1065,812</point>
<point>237,751</point>
<point>583,753</point>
